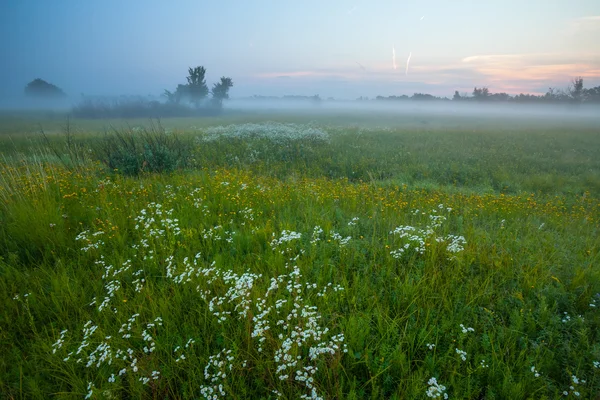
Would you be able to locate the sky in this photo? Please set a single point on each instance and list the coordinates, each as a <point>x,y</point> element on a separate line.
<point>334,48</point>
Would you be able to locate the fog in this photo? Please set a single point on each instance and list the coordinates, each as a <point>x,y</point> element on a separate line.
<point>442,108</point>
<point>428,114</point>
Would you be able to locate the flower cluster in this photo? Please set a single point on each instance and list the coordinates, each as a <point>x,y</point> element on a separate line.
<point>285,238</point>
<point>417,239</point>
<point>273,131</point>
<point>90,240</point>
<point>156,222</point>
<point>572,388</point>
<point>435,390</point>
<point>282,317</point>
<point>462,354</point>
<point>215,372</point>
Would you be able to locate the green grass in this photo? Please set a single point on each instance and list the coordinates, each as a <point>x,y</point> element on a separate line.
<point>219,268</point>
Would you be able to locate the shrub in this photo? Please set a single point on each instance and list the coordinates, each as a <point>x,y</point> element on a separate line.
<point>132,151</point>
<point>137,108</point>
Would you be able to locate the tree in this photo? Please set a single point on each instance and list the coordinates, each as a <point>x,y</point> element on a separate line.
<point>499,96</point>
<point>42,89</point>
<point>220,91</point>
<point>592,95</point>
<point>481,94</point>
<point>172,97</point>
<point>423,96</point>
<point>196,86</point>
<point>576,90</point>
<point>456,96</point>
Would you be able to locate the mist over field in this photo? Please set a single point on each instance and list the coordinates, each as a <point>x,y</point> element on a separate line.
<point>416,108</point>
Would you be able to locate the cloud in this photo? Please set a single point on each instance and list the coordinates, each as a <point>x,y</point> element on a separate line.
<point>510,73</point>
<point>589,21</point>
<point>535,68</point>
<point>595,18</point>
<point>584,27</point>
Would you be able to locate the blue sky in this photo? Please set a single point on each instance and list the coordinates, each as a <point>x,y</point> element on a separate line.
<point>342,49</point>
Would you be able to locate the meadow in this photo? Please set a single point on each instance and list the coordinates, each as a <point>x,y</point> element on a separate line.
<point>338,256</point>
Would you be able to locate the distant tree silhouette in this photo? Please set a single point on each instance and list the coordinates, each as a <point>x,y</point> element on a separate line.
<point>499,97</point>
<point>481,94</point>
<point>575,93</point>
<point>424,96</point>
<point>592,95</point>
<point>220,91</point>
<point>576,90</point>
<point>42,89</point>
<point>196,90</point>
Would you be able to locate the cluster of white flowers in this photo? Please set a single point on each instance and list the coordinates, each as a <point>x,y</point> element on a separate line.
<point>455,244</point>
<point>316,235</point>
<point>238,293</point>
<point>462,354</point>
<point>464,329</point>
<point>90,240</point>
<point>285,238</point>
<point>535,372</point>
<point>573,390</point>
<point>342,241</point>
<point>112,278</point>
<point>215,372</point>
<point>484,364</point>
<point>247,214</point>
<point>156,222</point>
<point>218,233</point>
<point>169,192</point>
<point>179,351</point>
<point>323,292</point>
<point>431,346</point>
<point>353,222</point>
<point>90,389</point>
<point>417,239</point>
<point>104,355</point>
<point>61,340</point>
<point>273,131</point>
<point>297,340</point>
<point>196,197</point>
<point>435,390</point>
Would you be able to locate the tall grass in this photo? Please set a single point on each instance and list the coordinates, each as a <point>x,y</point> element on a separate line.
<point>274,277</point>
<point>138,150</point>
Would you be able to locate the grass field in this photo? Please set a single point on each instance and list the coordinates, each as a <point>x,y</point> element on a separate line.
<point>313,256</point>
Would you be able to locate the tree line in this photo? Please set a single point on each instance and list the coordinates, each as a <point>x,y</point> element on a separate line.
<point>192,98</point>
<point>574,94</point>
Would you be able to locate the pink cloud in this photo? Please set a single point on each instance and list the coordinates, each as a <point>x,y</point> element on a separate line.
<point>510,73</point>
<point>534,68</point>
